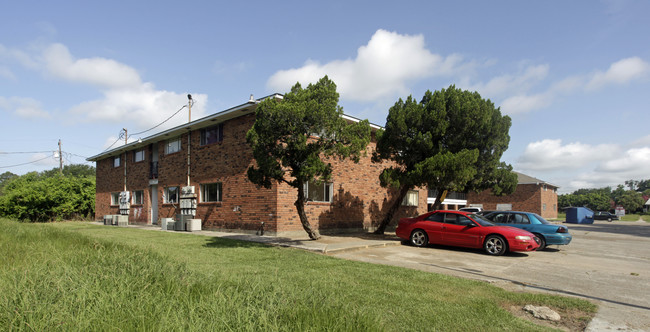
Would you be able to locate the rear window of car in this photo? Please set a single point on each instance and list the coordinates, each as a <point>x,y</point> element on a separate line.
<point>542,220</point>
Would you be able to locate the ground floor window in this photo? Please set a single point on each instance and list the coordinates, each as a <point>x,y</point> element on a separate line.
<point>115,198</point>
<point>138,197</point>
<point>211,192</point>
<point>316,192</point>
<point>171,195</point>
<point>411,198</point>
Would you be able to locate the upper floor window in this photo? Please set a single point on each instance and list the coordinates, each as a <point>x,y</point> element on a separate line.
<point>211,192</point>
<point>411,198</point>
<point>138,197</point>
<point>212,134</point>
<point>116,161</point>
<point>318,192</point>
<point>138,155</point>
<point>173,145</point>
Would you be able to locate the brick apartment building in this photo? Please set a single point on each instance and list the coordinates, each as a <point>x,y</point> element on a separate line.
<point>214,151</point>
<point>532,195</point>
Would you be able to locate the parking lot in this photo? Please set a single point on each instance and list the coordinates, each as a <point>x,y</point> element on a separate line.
<point>608,263</point>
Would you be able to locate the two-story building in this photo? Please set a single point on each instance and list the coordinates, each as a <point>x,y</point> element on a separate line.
<point>212,156</point>
<point>531,195</point>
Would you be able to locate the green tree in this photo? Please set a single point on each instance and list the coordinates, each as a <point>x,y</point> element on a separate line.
<point>74,170</point>
<point>452,140</point>
<point>293,138</point>
<point>5,178</point>
<point>631,200</point>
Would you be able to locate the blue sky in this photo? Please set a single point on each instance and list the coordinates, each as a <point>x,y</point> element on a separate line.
<point>573,75</point>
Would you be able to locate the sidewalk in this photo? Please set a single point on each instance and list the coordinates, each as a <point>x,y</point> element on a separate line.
<point>327,244</point>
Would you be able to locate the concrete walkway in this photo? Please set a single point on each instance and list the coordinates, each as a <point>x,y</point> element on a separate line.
<point>327,244</point>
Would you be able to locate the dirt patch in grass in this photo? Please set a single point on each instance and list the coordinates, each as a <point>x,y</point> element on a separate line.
<point>572,319</point>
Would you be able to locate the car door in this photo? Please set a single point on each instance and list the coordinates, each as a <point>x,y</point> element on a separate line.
<point>433,226</point>
<point>455,231</point>
<point>521,220</point>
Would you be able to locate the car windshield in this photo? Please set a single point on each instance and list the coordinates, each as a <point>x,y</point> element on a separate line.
<point>542,220</point>
<point>480,220</point>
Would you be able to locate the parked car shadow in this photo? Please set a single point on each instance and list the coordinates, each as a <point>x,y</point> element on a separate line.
<point>467,250</point>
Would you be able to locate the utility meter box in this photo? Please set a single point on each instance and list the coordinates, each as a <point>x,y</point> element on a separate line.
<point>125,202</point>
<point>188,201</point>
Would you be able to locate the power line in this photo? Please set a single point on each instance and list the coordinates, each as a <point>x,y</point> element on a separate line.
<point>158,125</point>
<point>31,162</point>
<point>22,152</point>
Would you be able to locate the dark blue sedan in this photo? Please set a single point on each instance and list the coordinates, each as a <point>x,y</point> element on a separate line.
<point>546,232</point>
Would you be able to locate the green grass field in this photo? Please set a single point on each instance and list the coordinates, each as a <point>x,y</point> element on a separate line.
<point>82,276</point>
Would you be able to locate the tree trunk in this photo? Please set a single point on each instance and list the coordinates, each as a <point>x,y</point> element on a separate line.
<point>300,206</point>
<point>437,205</point>
<point>391,212</point>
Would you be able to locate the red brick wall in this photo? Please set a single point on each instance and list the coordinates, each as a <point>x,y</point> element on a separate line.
<point>359,202</point>
<point>527,197</point>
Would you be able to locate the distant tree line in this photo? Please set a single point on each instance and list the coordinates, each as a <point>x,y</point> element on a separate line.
<point>49,195</point>
<point>606,199</point>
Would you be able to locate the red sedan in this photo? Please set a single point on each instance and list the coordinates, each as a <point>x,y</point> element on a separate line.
<point>461,229</point>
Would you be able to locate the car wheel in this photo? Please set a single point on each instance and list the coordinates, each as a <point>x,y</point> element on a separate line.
<point>419,238</point>
<point>609,219</point>
<point>542,242</point>
<point>495,245</point>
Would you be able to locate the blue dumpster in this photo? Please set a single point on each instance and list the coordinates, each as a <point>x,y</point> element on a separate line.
<point>579,215</point>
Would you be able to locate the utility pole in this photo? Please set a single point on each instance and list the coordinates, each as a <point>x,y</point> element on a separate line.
<point>60,159</point>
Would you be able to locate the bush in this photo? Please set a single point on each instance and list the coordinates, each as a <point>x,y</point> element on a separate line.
<point>33,197</point>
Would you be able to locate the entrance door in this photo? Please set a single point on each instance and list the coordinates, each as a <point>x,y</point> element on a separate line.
<point>153,194</point>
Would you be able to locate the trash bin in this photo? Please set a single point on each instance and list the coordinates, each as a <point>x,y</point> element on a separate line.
<point>579,215</point>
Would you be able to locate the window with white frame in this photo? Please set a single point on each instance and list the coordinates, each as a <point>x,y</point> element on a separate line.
<point>116,161</point>
<point>138,155</point>
<point>211,192</point>
<point>212,134</point>
<point>171,195</point>
<point>173,145</point>
<point>138,197</point>
<point>115,198</point>
<point>318,192</point>
<point>411,198</point>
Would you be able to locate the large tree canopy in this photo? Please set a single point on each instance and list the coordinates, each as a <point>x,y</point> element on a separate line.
<point>293,137</point>
<point>451,140</point>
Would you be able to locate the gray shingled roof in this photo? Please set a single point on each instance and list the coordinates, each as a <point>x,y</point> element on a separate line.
<point>527,179</point>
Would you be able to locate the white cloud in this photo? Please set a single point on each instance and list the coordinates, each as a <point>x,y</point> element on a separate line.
<point>126,98</point>
<point>576,165</point>
<point>634,163</point>
<point>523,104</point>
<point>620,72</point>
<point>381,69</point>
<point>97,71</point>
<point>24,107</point>
<point>551,155</point>
<point>511,83</point>
<point>144,106</point>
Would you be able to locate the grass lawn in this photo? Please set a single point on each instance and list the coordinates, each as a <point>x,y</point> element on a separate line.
<point>635,217</point>
<point>82,276</point>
